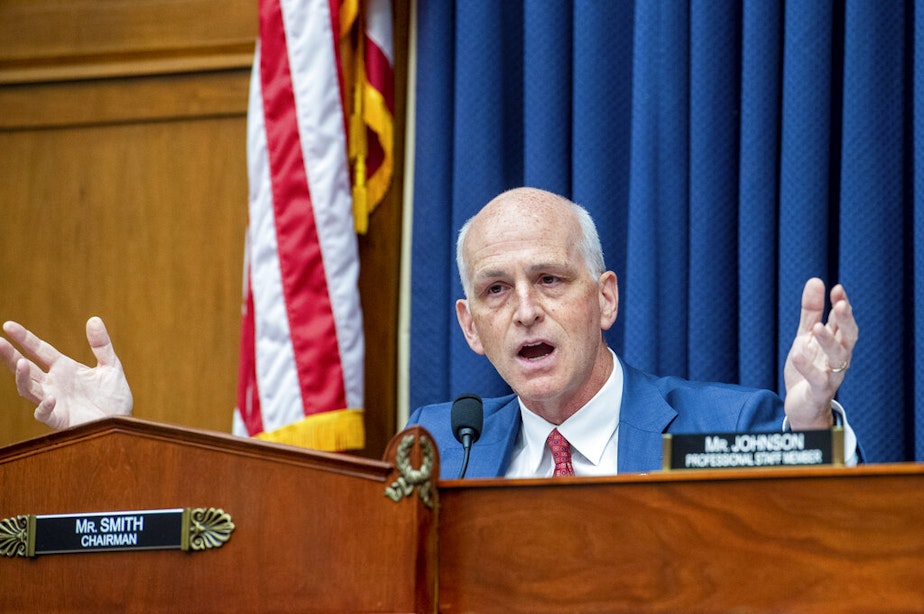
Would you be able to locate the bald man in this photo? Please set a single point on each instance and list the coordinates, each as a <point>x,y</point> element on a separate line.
<point>537,300</point>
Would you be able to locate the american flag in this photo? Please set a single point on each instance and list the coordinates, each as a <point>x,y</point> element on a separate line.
<point>319,147</point>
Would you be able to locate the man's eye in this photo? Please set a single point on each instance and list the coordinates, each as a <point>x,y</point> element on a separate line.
<point>549,279</point>
<point>495,289</point>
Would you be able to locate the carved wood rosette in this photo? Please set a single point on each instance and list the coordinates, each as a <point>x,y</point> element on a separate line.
<point>415,458</point>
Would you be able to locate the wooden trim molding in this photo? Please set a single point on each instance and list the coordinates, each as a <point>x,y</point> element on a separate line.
<point>47,40</point>
<point>218,93</point>
<point>95,67</point>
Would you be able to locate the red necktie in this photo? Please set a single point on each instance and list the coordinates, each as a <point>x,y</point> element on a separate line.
<point>561,453</point>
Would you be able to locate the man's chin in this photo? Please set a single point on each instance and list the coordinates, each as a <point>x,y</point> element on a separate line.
<point>537,392</point>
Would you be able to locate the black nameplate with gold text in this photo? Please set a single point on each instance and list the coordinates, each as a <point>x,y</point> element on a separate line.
<point>753,450</point>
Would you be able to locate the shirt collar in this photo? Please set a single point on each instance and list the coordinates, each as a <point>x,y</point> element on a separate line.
<point>588,430</point>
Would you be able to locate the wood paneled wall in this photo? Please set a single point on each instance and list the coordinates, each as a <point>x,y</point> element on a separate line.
<point>123,193</point>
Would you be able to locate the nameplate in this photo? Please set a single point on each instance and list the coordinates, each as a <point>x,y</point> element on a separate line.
<point>163,529</point>
<point>753,450</point>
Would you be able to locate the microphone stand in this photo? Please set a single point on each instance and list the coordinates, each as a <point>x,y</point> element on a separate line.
<point>466,438</point>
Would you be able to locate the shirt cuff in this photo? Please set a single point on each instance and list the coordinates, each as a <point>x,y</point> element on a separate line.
<point>851,458</point>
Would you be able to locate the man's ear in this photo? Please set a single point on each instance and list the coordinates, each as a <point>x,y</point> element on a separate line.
<point>467,324</point>
<point>609,300</point>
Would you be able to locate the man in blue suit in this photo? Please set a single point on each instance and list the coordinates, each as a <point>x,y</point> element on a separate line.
<point>538,298</point>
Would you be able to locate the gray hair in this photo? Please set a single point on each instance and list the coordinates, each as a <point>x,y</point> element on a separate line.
<point>589,246</point>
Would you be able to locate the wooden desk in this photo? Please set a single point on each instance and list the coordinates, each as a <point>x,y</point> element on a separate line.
<point>315,532</point>
<point>775,540</point>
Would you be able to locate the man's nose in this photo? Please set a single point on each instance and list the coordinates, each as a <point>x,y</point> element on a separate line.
<point>529,306</point>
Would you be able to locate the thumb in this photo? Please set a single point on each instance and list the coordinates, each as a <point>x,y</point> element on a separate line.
<point>98,338</point>
<point>813,305</point>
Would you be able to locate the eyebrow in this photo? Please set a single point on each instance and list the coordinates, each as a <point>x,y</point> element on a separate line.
<point>555,266</point>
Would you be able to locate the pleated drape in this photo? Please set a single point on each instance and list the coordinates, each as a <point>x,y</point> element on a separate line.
<point>728,150</point>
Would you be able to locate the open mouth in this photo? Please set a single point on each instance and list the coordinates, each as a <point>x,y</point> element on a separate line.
<point>535,351</point>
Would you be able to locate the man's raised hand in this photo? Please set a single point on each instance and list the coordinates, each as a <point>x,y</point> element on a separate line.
<point>66,392</point>
<point>819,357</point>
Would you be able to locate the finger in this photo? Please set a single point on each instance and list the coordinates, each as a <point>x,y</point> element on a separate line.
<point>836,354</point>
<point>27,384</point>
<point>838,293</point>
<point>33,347</point>
<point>841,319</point>
<point>98,338</point>
<point>9,354</point>
<point>813,304</point>
<point>45,413</point>
<point>807,369</point>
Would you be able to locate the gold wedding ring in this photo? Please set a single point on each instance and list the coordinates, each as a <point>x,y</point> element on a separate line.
<point>841,368</point>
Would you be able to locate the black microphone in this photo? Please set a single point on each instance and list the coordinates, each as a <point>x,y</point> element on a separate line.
<point>467,420</point>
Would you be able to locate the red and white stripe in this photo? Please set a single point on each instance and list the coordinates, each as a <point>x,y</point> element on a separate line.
<point>379,63</point>
<point>302,322</point>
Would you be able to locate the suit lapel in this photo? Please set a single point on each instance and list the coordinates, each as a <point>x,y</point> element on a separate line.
<point>643,418</point>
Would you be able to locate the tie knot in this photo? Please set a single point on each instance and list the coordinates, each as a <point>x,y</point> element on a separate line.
<point>561,453</point>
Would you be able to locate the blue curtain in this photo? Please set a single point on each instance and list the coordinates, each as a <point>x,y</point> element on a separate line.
<point>728,150</point>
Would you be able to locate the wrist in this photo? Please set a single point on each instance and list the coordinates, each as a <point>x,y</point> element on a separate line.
<point>824,418</point>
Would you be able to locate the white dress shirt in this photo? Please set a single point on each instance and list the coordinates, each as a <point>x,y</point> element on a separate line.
<point>591,431</point>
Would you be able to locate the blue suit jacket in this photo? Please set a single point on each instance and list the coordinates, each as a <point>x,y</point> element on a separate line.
<point>651,406</point>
